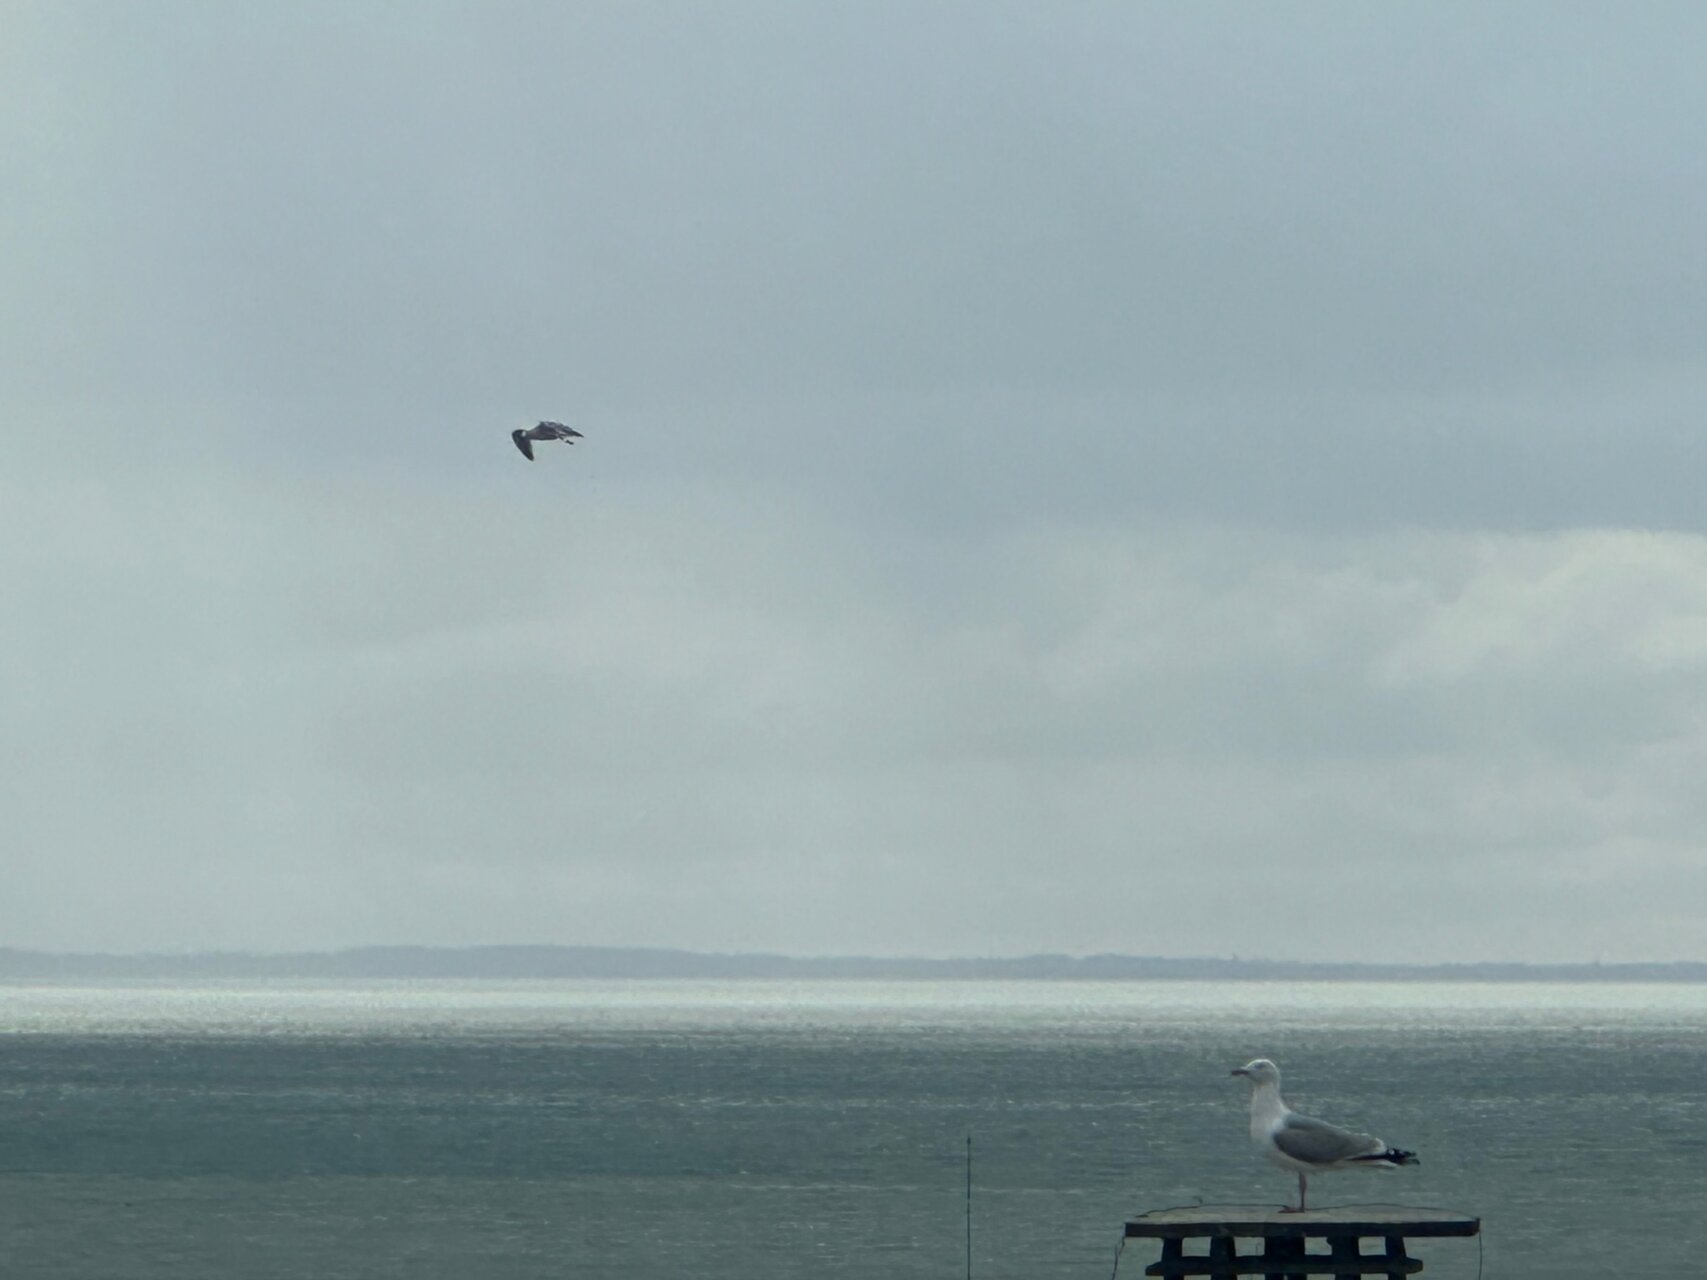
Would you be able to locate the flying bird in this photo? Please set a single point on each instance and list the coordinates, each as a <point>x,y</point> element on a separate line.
<point>1305,1146</point>
<point>544,431</point>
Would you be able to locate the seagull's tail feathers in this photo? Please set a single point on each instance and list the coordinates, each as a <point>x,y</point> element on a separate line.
<point>1389,1158</point>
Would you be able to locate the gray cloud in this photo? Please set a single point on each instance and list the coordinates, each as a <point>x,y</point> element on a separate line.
<point>1125,478</point>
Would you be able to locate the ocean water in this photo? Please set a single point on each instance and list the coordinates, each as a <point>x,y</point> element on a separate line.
<point>772,1129</point>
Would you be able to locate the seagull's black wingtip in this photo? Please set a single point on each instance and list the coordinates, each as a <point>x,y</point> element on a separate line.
<point>1390,1156</point>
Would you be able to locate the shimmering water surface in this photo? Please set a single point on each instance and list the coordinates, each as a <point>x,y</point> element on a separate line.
<point>772,1129</point>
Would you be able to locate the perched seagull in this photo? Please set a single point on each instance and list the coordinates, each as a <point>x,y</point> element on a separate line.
<point>544,431</point>
<point>1303,1145</point>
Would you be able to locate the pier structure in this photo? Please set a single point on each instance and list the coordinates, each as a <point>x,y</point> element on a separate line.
<point>1285,1240</point>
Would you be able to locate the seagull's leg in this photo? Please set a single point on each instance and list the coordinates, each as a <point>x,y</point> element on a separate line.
<point>1300,1209</point>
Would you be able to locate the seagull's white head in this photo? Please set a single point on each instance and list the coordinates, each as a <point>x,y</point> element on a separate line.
<point>1259,1071</point>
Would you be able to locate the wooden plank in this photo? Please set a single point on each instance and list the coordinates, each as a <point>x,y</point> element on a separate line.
<point>1265,1220</point>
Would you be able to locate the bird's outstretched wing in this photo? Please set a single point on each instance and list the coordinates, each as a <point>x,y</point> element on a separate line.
<point>523,443</point>
<point>556,431</point>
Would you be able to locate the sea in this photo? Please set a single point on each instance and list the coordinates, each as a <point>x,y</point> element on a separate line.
<point>756,1130</point>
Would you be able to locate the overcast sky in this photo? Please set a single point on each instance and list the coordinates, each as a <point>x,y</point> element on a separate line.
<point>1176,479</point>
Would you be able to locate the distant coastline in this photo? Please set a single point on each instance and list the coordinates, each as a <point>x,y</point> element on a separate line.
<point>661,963</point>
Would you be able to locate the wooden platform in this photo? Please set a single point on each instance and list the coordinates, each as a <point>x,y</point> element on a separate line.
<point>1285,1239</point>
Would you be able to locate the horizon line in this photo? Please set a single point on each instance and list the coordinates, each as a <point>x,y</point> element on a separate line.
<point>615,950</point>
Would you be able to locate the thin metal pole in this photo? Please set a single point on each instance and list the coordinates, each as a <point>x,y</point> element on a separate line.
<point>968,1207</point>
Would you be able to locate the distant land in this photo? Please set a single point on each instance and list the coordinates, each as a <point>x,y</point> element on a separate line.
<point>646,962</point>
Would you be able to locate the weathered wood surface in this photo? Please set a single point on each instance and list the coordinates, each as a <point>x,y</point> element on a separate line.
<point>1265,1220</point>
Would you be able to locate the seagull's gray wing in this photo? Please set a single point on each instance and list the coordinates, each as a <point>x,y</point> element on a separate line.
<point>523,443</point>
<point>1317,1142</point>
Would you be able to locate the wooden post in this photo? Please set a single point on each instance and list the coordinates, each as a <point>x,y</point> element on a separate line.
<point>1341,1248</point>
<point>1282,1249</point>
<point>1396,1251</point>
<point>1223,1256</point>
